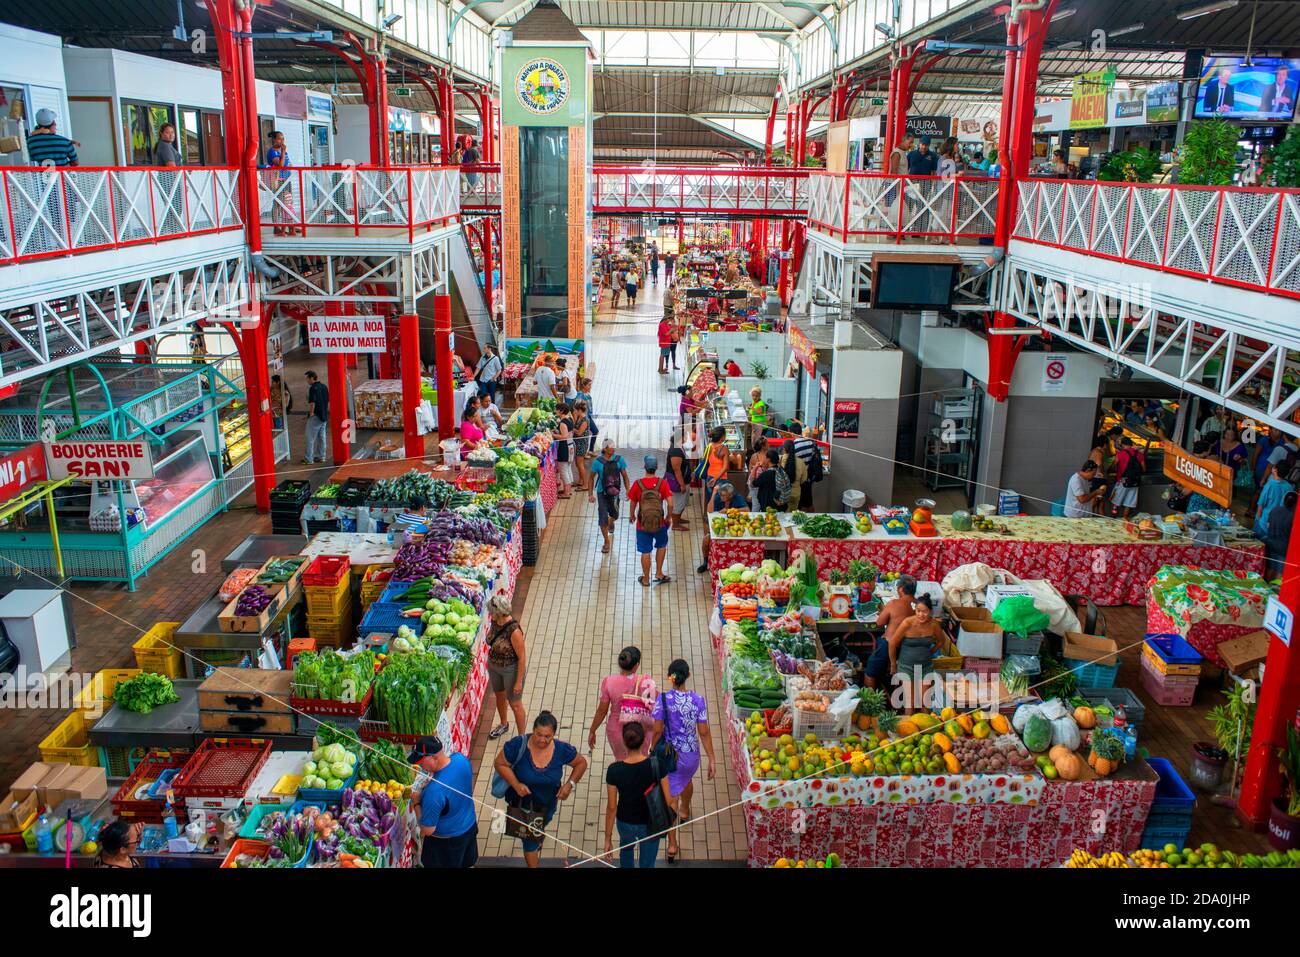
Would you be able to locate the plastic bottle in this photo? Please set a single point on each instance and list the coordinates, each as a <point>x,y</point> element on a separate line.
<point>1121,717</point>
<point>44,835</point>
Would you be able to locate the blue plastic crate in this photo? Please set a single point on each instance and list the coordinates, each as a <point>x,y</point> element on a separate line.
<point>396,591</point>
<point>1155,838</point>
<point>1094,676</point>
<point>1172,794</point>
<point>385,618</point>
<point>322,796</point>
<point>1174,649</point>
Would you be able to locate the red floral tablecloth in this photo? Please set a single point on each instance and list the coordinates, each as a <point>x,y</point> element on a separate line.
<point>725,552</point>
<point>514,557</point>
<point>1039,833</point>
<point>1204,636</point>
<point>918,557</point>
<point>1112,574</point>
<point>470,703</point>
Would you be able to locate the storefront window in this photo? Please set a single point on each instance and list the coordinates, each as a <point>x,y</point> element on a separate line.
<point>191,144</point>
<point>544,228</point>
<point>141,123</point>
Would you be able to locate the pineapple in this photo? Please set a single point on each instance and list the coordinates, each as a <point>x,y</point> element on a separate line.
<point>1107,753</point>
<point>871,702</point>
<point>887,721</point>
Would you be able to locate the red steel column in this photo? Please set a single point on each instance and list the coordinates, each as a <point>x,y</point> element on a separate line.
<point>487,264</point>
<point>336,364</point>
<point>783,277</point>
<point>257,389</point>
<point>442,362</point>
<point>414,443</point>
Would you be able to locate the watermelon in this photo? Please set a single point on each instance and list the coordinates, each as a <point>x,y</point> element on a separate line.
<point>1037,733</point>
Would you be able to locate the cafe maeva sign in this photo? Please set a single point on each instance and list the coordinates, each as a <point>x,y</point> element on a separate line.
<point>1088,96</point>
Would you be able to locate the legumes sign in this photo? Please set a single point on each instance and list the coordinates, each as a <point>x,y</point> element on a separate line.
<point>1210,477</point>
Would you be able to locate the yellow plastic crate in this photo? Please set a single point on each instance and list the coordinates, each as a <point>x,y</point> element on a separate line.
<point>1165,668</point>
<point>94,699</point>
<point>333,630</point>
<point>154,652</point>
<point>69,743</point>
<point>322,602</point>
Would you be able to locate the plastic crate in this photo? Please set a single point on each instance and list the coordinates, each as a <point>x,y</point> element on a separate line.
<point>119,762</point>
<point>151,767</point>
<point>772,731</point>
<point>1172,693</point>
<point>395,592</point>
<point>291,490</point>
<point>1088,675</point>
<point>156,653</point>
<point>69,743</point>
<point>385,618</point>
<point>1155,838</point>
<point>327,796</point>
<point>94,699</point>
<point>823,724</point>
<point>332,632</point>
<point>326,706</point>
<point>372,729</point>
<point>1030,644</point>
<point>354,492</point>
<point>982,666</point>
<point>1174,801</point>
<point>222,767</point>
<point>332,600</point>
<point>1172,655</point>
<point>327,571</point>
<point>1134,710</point>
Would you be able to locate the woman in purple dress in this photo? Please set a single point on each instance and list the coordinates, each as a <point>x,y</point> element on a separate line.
<point>684,717</point>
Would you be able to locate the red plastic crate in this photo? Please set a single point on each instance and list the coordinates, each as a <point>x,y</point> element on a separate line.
<point>773,731</point>
<point>147,810</point>
<point>351,709</point>
<point>327,570</point>
<point>222,767</point>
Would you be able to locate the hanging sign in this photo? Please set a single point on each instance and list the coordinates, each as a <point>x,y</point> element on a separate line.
<point>121,459</point>
<point>1162,103</point>
<point>1054,370</point>
<point>804,351</point>
<point>333,334</point>
<point>1210,477</point>
<point>847,418</point>
<point>20,469</point>
<point>1278,620</point>
<point>935,127</point>
<point>1089,97</point>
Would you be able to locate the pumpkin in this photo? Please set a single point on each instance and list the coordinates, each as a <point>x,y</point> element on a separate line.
<point>1085,718</point>
<point>1000,724</point>
<point>951,763</point>
<point>1058,751</point>
<point>1069,766</point>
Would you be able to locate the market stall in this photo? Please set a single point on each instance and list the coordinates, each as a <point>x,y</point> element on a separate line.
<point>1206,607</point>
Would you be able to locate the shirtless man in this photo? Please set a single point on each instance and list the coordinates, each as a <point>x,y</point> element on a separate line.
<point>890,617</point>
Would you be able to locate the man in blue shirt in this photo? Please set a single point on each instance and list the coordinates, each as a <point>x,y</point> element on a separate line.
<point>45,147</point>
<point>1272,495</point>
<point>725,496</point>
<point>447,819</point>
<point>921,162</point>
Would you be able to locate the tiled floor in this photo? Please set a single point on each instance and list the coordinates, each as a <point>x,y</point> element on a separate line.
<point>582,607</point>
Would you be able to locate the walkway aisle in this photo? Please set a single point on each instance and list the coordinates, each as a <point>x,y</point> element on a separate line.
<point>582,607</point>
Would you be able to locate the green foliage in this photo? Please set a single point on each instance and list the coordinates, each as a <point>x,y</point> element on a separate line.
<point>758,370</point>
<point>1209,153</point>
<point>1284,170</point>
<point>1290,768</point>
<point>1227,718</point>
<point>1138,165</point>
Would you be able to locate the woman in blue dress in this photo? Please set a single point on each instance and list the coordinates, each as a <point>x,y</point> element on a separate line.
<point>533,765</point>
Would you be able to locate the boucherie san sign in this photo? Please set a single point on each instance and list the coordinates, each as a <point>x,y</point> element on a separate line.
<point>108,459</point>
<point>1210,477</point>
<point>346,334</point>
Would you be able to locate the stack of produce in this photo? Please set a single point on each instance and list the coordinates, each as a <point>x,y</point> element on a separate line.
<point>420,560</point>
<point>1171,855</point>
<point>252,601</point>
<point>385,760</point>
<point>236,582</point>
<point>825,526</point>
<point>449,526</point>
<point>831,860</point>
<point>330,676</point>
<point>145,692</point>
<point>519,474</point>
<point>738,523</point>
<point>410,693</point>
<point>329,768</point>
<point>364,828</point>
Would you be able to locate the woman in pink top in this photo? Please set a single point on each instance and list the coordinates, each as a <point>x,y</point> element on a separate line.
<point>471,434</point>
<point>624,697</point>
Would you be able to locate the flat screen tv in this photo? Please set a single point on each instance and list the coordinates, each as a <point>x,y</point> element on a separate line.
<point>1264,89</point>
<point>913,282</point>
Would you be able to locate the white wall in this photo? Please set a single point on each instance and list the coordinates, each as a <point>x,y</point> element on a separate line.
<point>31,60</point>
<point>353,141</point>
<point>749,347</point>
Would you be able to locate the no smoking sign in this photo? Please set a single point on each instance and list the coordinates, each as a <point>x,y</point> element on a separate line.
<point>1054,369</point>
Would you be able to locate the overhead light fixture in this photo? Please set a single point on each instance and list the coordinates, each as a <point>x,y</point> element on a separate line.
<point>965,89</point>
<point>391,19</point>
<point>1062,14</point>
<point>301,68</point>
<point>1131,28</point>
<point>886,29</point>
<point>1204,9</point>
<point>1069,45</point>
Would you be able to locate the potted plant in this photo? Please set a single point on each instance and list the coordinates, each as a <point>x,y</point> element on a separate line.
<point>758,370</point>
<point>1209,153</point>
<point>1284,818</point>
<point>1284,170</point>
<point>1233,722</point>
<point>1138,165</point>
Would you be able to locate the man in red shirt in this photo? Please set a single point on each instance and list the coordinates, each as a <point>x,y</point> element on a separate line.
<point>733,370</point>
<point>665,343</point>
<point>650,496</point>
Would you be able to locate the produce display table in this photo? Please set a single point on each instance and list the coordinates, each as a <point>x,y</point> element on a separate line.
<point>1205,607</point>
<point>967,820</point>
<point>724,552</point>
<point>918,557</point>
<point>1083,557</point>
<point>514,557</point>
<point>469,704</point>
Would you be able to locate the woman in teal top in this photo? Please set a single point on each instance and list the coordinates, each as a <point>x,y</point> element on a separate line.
<point>1270,497</point>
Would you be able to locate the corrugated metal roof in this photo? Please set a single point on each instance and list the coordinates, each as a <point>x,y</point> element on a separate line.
<point>672,131</point>
<point>680,91</point>
<point>673,14</point>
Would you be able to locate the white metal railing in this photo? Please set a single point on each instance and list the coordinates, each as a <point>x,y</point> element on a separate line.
<point>680,189</point>
<point>1235,235</point>
<point>481,186</point>
<point>866,207</point>
<point>61,210</point>
<point>358,198</point>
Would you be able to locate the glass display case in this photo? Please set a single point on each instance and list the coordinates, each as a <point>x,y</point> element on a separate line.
<point>1151,444</point>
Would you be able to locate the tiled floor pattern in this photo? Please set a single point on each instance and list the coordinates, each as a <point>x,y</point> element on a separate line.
<point>582,607</point>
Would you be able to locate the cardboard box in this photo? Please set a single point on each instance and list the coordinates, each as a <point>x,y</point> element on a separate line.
<point>16,811</point>
<point>60,785</point>
<point>1244,653</point>
<point>29,781</point>
<point>1090,649</point>
<point>253,624</point>
<point>91,784</point>
<point>962,613</point>
<point>979,639</point>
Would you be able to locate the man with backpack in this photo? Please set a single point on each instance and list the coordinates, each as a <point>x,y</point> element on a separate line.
<point>608,479</point>
<point>649,496</point>
<point>1129,466</point>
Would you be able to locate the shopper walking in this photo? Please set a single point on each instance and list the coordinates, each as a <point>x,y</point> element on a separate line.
<point>566,381</point>
<point>564,451</point>
<point>677,331</point>
<point>796,471</point>
<point>769,485</point>
<point>448,822</point>
<point>533,767</point>
<point>545,378</point>
<point>581,444</point>
<point>650,510</point>
<point>679,484</point>
<point>1277,537</point>
<point>628,782</point>
<point>682,717</point>
<point>716,459</point>
<point>318,416</point>
<point>608,479</point>
<point>1271,497</point>
<point>487,372</point>
<point>665,337</point>
<point>654,265</point>
<point>507,664</point>
<point>1129,466</point>
<point>624,698</point>
<point>633,280</point>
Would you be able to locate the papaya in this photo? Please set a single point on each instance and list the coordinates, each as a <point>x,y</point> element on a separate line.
<point>953,730</point>
<point>907,728</point>
<point>947,714</point>
<point>966,723</point>
<point>943,742</point>
<point>951,763</point>
<point>1000,724</point>
<point>923,721</point>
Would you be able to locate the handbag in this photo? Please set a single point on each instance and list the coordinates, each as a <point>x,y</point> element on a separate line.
<point>525,819</point>
<point>500,786</point>
<point>632,707</point>
<point>702,467</point>
<point>662,816</point>
<point>664,750</point>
